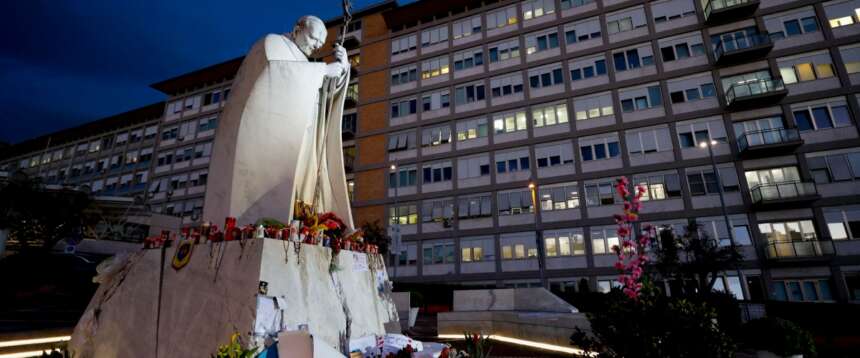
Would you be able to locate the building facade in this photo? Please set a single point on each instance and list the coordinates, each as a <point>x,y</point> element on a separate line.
<point>457,106</point>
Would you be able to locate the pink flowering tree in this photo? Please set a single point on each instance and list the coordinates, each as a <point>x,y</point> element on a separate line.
<point>631,249</point>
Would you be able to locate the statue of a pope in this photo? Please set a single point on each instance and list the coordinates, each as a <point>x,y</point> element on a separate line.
<point>279,136</point>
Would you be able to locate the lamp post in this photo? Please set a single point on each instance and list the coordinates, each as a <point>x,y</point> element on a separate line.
<point>709,145</point>
<point>538,240</point>
<point>395,226</point>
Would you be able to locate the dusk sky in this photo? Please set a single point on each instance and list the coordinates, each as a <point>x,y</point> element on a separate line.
<point>64,63</point>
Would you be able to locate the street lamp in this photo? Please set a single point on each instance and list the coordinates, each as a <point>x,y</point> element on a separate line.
<point>710,144</point>
<point>533,189</point>
<point>395,227</point>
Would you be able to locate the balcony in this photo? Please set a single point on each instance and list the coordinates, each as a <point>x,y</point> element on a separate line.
<point>742,49</point>
<point>768,141</point>
<point>722,11</point>
<point>351,96</point>
<point>755,93</point>
<point>785,194</point>
<point>781,250</point>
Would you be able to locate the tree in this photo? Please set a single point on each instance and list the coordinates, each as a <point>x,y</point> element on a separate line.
<point>693,258</point>
<point>374,233</point>
<point>38,217</point>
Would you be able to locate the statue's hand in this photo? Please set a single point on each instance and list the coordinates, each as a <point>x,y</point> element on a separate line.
<point>340,56</point>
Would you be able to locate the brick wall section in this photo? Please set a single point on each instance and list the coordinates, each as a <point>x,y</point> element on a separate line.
<point>372,184</point>
<point>368,214</point>
<point>373,25</point>
<point>371,150</point>
<point>372,117</point>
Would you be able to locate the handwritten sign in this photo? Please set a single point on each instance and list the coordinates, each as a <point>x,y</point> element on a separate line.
<point>359,262</point>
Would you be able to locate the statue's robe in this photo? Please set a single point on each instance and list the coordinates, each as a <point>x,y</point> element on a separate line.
<point>279,139</point>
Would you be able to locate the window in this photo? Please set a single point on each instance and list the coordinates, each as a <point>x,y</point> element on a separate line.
<point>473,167</point>
<point>851,58</point>
<point>477,249</point>
<point>843,222</point>
<point>791,24</point>
<point>670,10</point>
<point>705,90</point>
<point>353,26</point>
<point>207,124</point>
<point>812,290</point>
<point>593,106</point>
<point>682,50</point>
<point>475,206</point>
<point>437,252</point>
<point>820,115</point>
<point>625,20</point>
<point>434,67</point>
<point>603,239</point>
<point>469,93</point>
<point>431,137</point>
<point>212,97</point>
<point>582,31</point>
<point>541,41</point>
<point>404,214</point>
<point>471,129</point>
<point>772,176</point>
<point>554,154</point>
<point>649,140</point>
<point>567,4</point>
<point>537,8</point>
<point>437,172</point>
<point>467,59</point>
<point>467,27</point>
<point>506,85</point>
<point>564,243</point>
<point>585,69</point>
<point>438,211</point>
<point>620,25</point>
<point>630,59</point>
<point>691,134</point>
<point>403,107</point>
<point>515,202</point>
<point>658,186</point>
<point>704,182</point>
<point>643,101</point>
<point>509,122</point>
<point>806,67</point>
<point>512,162</point>
<point>546,76</point>
<point>502,17</point>
<point>559,197</point>
<point>434,36</point>
<point>549,114</point>
<point>435,100</point>
<point>403,44</point>
<point>601,193</point>
<point>842,13</point>
<point>504,50</point>
<point>835,167</point>
<point>598,149</point>
<point>404,75</point>
<point>401,141</point>
<point>715,228</point>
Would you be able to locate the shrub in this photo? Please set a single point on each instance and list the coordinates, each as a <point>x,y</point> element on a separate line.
<point>778,336</point>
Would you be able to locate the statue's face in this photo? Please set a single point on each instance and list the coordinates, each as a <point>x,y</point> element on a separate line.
<point>311,36</point>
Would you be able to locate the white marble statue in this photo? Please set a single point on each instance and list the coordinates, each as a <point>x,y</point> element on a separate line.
<point>279,136</point>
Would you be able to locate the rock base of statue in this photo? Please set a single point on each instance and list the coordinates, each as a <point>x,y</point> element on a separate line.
<point>257,288</point>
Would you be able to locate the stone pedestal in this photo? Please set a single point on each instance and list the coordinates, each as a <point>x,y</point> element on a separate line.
<point>149,309</point>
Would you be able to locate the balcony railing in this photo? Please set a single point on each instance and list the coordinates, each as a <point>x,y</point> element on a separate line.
<point>774,136</point>
<point>718,10</point>
<point>726,49</point>
<point>765,193</point>
<point>798,249</point>
<point>754,89</point>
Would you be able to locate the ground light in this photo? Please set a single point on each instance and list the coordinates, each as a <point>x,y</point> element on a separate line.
<point>30,341</point>
<point>526,343</point>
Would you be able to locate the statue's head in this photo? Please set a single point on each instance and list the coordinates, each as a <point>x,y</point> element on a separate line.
<point>309,34</point>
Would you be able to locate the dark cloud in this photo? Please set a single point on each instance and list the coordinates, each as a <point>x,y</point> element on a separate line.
<point>64,63</point>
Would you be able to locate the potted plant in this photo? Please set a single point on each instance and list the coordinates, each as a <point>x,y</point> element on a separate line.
<point>776,337</point>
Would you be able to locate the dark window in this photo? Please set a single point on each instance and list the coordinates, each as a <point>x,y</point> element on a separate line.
<point>668,54</point>
<point>524,163</point>
<point>633,58</point>
<point>614,150</point>
<point>575,74</point>
<point>804,123</point>
<point>687,140</point>
<point>792,27</point>
<point>809,24</point>
<point>822,117</point>
<point>627,105</point>
<point>620,61</point>
<point>588,71</point>
<point>586,153</point>
<point>682,50</point>
<point>677,97</point>
<point>600,66</point>
<point>494,54</point>
<point>570,36</point>
<point>600,151</point>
